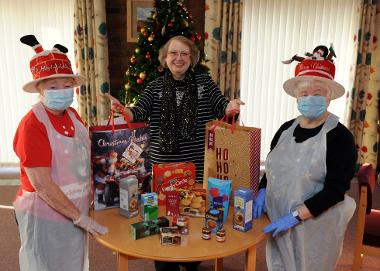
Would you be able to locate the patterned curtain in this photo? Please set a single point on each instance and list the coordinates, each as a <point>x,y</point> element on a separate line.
<point>91,57</point>
<point>364,97</point>
<point>223,20</point>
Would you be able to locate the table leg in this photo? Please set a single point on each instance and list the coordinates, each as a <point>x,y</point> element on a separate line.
<point>218,264</point>
<point>122,262</point>
<point>250,259</point>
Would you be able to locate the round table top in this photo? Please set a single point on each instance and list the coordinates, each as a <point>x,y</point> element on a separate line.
<point>119,239</point>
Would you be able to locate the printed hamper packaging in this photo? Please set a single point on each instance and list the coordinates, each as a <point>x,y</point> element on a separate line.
<point>172,176</point>
<point>243,203</point>
<point>116,154</point>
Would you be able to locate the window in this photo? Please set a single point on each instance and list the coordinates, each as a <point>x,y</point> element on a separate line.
<point>51,21</point>
<point>275,30</point>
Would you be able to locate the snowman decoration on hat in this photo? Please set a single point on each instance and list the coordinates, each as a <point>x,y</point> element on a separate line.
<point>316,66</point>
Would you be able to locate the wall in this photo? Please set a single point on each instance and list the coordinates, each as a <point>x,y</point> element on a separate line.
<point>120,51</point>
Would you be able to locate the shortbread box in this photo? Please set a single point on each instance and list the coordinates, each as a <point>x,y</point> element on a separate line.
<point>172,176</point>
<point>243,203</point>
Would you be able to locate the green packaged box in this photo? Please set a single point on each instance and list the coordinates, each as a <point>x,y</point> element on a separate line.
<point>147,228</point>
<point>149,206</point>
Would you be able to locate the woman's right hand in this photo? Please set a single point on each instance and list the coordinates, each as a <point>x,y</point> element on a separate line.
<point>116,106</point>
<point>115,103</point>
<point>90,225</point>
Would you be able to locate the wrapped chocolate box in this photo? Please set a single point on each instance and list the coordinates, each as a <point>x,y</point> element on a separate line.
<point>147,228</point>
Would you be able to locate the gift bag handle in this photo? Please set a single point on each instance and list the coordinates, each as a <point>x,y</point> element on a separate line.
<point>225,117</point>
<point>111,118</point>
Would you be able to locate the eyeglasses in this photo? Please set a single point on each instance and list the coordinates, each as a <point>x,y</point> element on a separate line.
<point>176,54</point>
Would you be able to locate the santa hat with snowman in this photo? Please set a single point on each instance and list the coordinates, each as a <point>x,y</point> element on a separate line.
<point>48,64</point>
<point>317,66</point>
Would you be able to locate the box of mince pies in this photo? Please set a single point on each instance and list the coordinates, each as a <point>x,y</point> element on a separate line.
<point>192,202</point>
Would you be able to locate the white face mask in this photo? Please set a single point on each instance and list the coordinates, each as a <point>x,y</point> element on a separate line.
<point>58,99</point>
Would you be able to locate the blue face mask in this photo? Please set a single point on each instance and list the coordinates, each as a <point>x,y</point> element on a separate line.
<point>58,99</point>
<point>312,107</point>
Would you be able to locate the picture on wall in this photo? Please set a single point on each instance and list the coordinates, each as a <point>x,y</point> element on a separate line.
<point>137,12</point>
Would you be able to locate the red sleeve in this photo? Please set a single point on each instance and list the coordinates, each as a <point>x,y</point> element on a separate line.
<point>31,143</point>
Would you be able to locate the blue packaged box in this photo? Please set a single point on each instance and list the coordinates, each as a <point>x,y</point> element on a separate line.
<point>149,206</point>
<point>243,203</point>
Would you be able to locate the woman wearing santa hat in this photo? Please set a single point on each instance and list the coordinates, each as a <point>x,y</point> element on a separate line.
<point>53,146</point>
<point>304,194</point>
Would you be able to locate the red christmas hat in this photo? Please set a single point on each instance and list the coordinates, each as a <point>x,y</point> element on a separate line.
<point>318,67</point>
<point>47,64</point>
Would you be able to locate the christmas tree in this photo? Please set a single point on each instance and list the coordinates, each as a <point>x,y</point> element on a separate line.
<point>169,18</point>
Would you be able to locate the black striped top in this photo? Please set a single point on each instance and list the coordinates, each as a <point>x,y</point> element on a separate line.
<point>211,105</point>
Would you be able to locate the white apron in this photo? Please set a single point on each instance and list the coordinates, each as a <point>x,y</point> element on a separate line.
<point>295,172</point>
<point>50,241</point>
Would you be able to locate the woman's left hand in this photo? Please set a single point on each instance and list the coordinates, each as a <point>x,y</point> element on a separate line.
<point>281,224</point>
<point>233,107</point>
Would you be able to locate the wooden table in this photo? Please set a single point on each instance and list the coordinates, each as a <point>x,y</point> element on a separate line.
<point>118,239</point>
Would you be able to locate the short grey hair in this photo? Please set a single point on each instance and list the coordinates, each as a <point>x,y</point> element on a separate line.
<point>194,52</point>
<point>303,84</point>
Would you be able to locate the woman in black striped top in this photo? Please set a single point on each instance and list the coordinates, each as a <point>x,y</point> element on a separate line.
<point>177,106</point>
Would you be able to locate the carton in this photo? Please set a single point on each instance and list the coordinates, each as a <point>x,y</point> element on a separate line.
<point>172,176</point>
<point>170,236</point>
<point>147,228</point>
<point>214,220</point>
<point>149,208</point>
<point>128,188</point>
<point>243,203</point>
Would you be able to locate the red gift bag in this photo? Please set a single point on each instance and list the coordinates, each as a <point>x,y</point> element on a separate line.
<point>118,151</point>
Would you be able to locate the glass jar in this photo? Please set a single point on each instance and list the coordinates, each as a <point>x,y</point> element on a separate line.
<point>206,233</point>
<point>221,235</point>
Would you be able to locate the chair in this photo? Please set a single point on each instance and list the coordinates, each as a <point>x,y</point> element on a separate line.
<point>368,226</point>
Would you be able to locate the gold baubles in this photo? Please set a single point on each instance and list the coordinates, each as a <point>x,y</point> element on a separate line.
<point>142,75</point>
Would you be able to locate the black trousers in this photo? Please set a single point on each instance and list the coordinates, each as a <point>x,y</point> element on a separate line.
<point>174,266</point>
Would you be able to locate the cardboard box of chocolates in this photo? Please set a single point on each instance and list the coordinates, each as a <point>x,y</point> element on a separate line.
<point>172,176</point>
<point>147,228</point>
<point>243,203</point>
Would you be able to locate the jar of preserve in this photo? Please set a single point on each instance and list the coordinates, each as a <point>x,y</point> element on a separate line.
<point>206,233</point>
<point>221,235</point>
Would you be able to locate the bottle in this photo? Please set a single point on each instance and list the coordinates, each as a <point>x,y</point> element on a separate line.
<point>128,188</point>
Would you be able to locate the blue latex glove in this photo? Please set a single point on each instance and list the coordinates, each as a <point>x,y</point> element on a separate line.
<point>259,204</point>
<point>282,224</point>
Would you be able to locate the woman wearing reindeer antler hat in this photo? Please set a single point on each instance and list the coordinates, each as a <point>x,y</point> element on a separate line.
<point>304,194</point>
<point>54,149</point>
